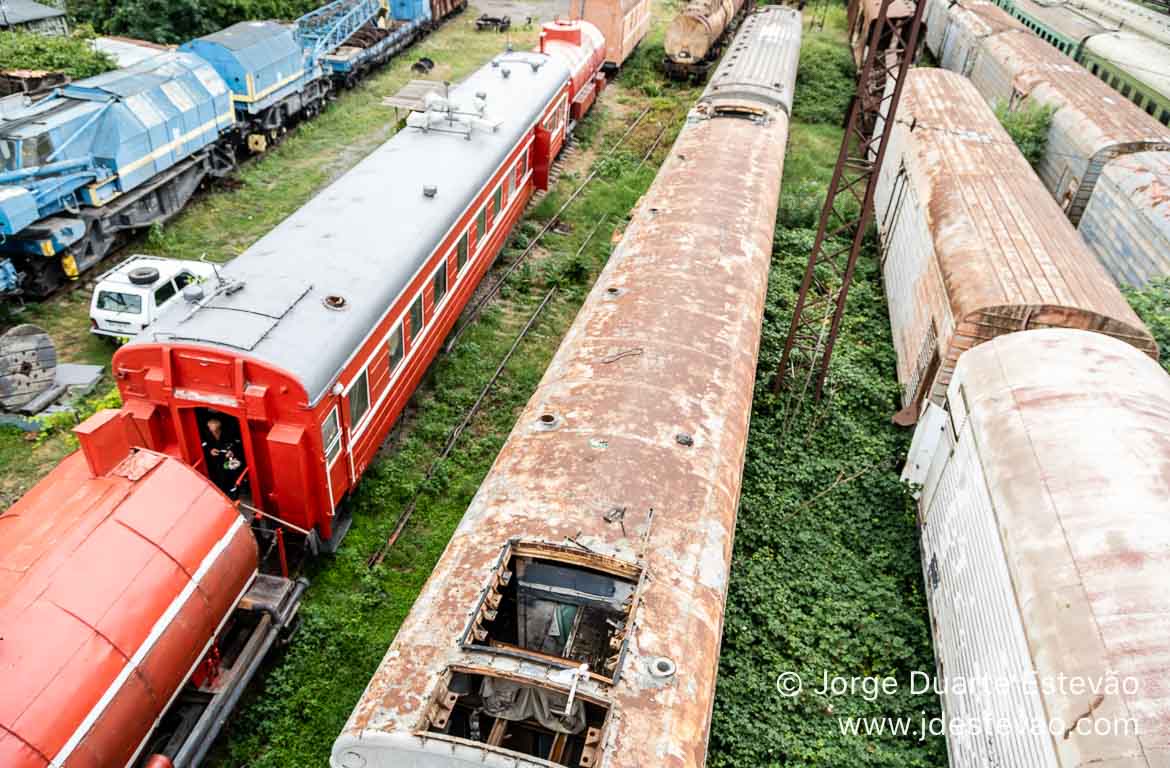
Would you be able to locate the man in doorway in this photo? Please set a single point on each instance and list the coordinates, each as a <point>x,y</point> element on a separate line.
<point>225,458</point>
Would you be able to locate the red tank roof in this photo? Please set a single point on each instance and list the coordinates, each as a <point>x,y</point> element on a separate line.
<point>112,585</point>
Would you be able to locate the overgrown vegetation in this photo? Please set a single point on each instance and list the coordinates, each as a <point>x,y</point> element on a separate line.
<point>1152,304</point>
<point>72,55</point>
<point>1028,126</point>
<point>824,82</point>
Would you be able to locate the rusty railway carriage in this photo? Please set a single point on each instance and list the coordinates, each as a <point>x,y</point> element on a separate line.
<point>973,245</point>
<point>575,616</point>
<point>862,16</point>
<point>1045,523</point>
<point>312,340</point>
<point>623,24</point>
<point>1104,156</point>
<point>128,583</point>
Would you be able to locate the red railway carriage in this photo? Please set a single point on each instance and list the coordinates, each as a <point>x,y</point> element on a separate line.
<point>116,574</point>
<point>310,343</point>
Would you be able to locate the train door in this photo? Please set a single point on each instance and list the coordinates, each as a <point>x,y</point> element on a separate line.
<point>336,467</point>
<point>225,458</point>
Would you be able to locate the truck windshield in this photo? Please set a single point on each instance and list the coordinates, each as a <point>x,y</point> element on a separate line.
<point>113,301</point>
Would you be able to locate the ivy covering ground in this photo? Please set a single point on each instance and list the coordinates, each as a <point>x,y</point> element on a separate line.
<point>1028,126</point>
<point>1152,303</point>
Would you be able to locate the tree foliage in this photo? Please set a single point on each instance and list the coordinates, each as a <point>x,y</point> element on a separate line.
<point>72,55</point>
<point>1152,304</point>
<point>176,21</point>
<point>1028,126</point>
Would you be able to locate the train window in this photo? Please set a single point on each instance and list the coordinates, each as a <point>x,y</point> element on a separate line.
<point>498,198</point>
<point>519,717</point>
<point>1125,90</point>
<point>1113,81</point>
<point>359,399</point>
<point>439,283</point>
<point>416,318</point>
<point>331,436</point>
<point>481,227</point>
<point>1151,108</point>
<point>397,349</point>
<point>509,183</point>
<point>550,603</point>
<point>1164,118</point>
<point>461,251</point>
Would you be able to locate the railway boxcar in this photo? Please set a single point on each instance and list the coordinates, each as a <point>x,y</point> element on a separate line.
<point>973,246</point>
<point>575,616</point>
<point>623,24</point>
<point>1127,221</point>
<point>1045,524</point>
<point>1061,25</point>
<point>1091,125</point>
<point>313,340</point>
<point>955,32</point>
<point>121,576</point>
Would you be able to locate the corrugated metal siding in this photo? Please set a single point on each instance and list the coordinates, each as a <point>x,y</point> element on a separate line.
<point>975,620</point>
<point>1068,440</point>
<point>971,22</point>
<point>1127,222</point>
<point>936,19</point>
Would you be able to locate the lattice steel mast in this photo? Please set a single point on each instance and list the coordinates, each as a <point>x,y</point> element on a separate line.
<point>820,305</point>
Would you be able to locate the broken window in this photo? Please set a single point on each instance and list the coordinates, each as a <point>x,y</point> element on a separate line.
<point>559,726</point>
<point>557,604</point>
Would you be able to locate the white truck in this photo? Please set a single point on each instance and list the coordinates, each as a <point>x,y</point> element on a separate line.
<point>129,297</point>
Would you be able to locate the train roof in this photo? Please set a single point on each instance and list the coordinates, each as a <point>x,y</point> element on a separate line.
<point>1002,255</point>
<point>1072,436</point>
<point>986,18</point>
<point>1094,115</point>
<point>364,237</point>
<point>1143,59</point>
<point>88,562</point>
<point>622,473</point>
<point>1064,19</point>
<point>755,68</point>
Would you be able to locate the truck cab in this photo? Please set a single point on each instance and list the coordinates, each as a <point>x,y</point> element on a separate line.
<point>128,298</point>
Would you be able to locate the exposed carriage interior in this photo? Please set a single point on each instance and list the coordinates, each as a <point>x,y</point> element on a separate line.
<point>562,728</point>
<point>557,608</point>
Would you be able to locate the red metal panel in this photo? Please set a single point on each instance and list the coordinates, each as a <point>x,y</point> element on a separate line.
<point>111,587</point>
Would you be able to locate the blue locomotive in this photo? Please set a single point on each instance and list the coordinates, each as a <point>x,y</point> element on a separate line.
<point>100,158</point>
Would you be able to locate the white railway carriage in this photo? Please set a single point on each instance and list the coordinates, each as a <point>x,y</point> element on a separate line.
<point>1045,523</point>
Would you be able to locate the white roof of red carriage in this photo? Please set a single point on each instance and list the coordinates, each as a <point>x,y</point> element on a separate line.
<point>365,236</point>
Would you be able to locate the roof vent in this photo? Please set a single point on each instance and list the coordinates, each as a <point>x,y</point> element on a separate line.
<point>193,292</point>
<point>506,72</point>
<point>334,301</point>
<point>430,190</point>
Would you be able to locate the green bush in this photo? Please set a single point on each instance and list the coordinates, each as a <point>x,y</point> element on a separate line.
<point>1028,126</point>
<point>176,21</point>
<point>1152,303</point>
<point>824,82</point>
<point>71,55</point>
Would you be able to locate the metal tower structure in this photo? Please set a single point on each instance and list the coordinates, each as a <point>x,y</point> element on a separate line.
<point>848,209</point>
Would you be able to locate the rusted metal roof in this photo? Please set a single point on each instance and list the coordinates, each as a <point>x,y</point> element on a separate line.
<point>1091,125</point>
<point>974,245</point>
<point>1046,527</point>
<point>629,455</point>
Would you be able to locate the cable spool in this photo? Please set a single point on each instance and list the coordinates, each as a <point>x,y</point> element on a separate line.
<point>28,366</point>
